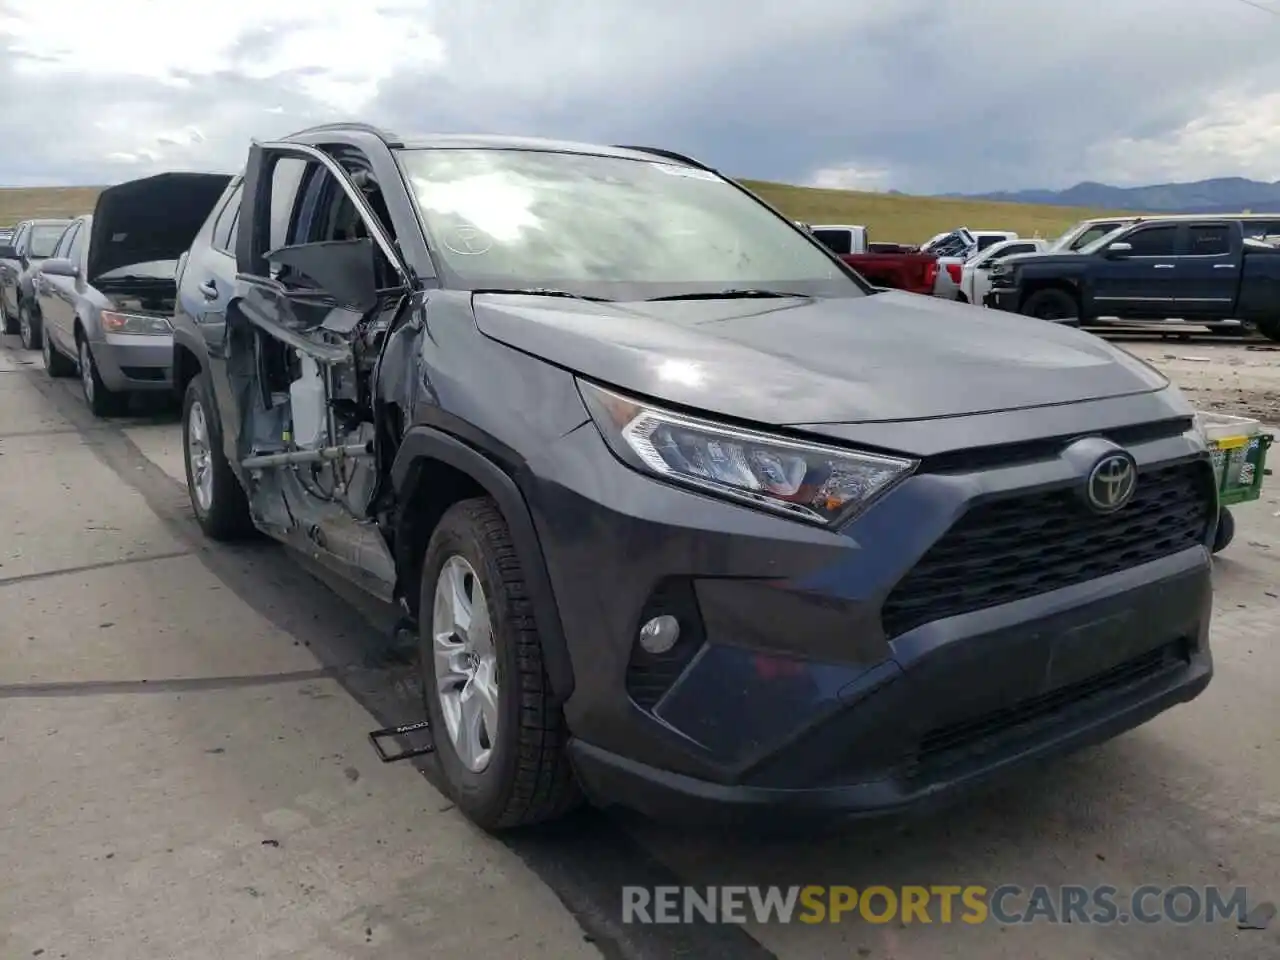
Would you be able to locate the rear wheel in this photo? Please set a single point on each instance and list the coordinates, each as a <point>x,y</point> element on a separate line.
<point>217,499</point>
<point>500,737</point>
<point>1056,306</point>
<point>1270,328</point>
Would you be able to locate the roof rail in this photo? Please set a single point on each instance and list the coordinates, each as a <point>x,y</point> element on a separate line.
<point>354,126</point>
<point>668,154</point>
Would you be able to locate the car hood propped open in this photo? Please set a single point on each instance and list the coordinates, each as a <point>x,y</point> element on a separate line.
<point>155,218</point>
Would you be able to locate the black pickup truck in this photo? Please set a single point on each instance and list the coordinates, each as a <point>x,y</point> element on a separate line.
<point>1214,271</point>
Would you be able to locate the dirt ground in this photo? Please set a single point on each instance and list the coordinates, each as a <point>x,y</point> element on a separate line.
<point>1239,379</point>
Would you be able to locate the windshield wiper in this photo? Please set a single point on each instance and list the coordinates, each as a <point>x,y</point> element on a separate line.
<point>542,292</point>
<point>734,295</point>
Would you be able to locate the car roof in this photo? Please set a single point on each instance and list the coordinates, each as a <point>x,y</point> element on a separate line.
<point>487,141</point>
<point>476,141</point>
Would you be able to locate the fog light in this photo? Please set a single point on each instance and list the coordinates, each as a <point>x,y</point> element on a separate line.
<point>660,634</point>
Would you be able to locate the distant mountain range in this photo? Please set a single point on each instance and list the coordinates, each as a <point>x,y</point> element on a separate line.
<point>1220,195</point>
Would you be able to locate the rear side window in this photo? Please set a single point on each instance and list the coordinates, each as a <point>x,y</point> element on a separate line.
<point>991,241</point>
<point>224,227</point>
<point>1208,240</point>
<point>1154,242</point>
<point>837,241</point>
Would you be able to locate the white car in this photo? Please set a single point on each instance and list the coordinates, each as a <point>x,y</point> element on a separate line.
<point>975,273</point>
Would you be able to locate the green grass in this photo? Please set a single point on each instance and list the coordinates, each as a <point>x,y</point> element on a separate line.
<point>31,203</point>
<point>896,218</point>
<point>888,217</point>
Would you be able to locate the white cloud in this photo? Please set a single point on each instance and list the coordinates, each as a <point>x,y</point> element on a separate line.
<point>862,95</point>
<point>169,41</point>
<point>850,178</point>
<point>1238,135</point>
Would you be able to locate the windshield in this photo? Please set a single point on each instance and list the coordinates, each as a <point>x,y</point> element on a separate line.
<point>43,238</point>
<point>1101,241</point>
<point>608,227</point>
<point>1084,233</point>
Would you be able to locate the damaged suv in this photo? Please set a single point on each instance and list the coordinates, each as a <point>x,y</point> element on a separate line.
<point>688,517</point>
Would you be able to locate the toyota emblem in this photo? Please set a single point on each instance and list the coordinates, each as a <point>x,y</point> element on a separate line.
<point>1111,482</point>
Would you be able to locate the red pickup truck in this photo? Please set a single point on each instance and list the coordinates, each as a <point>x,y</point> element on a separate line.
<point>907,270</point>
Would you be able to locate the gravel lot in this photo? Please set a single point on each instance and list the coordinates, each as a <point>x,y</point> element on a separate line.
<point>186,775</point>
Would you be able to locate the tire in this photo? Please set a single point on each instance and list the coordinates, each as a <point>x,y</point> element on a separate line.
<point>102,400</point>
<point>1226,530</point>
<point>1056,306</point>
<point>221,509</point>
<point>10,321</point>
<point>28,326</point>
<point>1270,328</point>
<point>55,363</point>
<point>527,778</point>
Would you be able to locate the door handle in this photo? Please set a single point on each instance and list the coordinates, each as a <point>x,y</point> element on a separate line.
<point>209,290</point>
<point>1224,266</point>
<point>1163,266</point>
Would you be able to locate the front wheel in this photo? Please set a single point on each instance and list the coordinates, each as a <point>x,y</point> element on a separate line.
<point>55,364</point>
<point>10,321</point>
<point>500,737</point>
<point>1056,306</point>
<point>1226,530</point>
<point>217,499</point>
<point>28,327</point>
<point>102,401</point>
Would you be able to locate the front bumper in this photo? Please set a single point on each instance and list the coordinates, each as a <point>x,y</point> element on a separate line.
<point>135,362</point>
<point>1002,298</point>
<point>789,691</point>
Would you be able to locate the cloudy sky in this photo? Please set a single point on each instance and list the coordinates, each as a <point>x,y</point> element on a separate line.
<point>917,95</point>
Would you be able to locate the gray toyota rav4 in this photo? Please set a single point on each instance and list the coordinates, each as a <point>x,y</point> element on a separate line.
<point>686,516</point>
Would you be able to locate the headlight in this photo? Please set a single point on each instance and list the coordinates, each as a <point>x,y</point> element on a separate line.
<point>113,322</point>
<point>807,481</point>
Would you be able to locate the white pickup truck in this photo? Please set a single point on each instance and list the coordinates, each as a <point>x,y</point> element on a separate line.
<point>975,273</point>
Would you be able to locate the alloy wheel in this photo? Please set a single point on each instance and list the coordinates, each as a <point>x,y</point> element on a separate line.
<point>466,663</point>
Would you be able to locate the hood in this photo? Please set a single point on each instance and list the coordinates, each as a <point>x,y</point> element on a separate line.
<point>151,219</point>
<point>1046,258</point>
<point>887,357</point>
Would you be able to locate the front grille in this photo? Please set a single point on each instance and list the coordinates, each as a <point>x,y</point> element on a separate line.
<point>1021,546</point>
<point>976,736</point>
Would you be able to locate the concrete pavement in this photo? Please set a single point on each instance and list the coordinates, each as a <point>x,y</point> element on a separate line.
<point>184,777</point>
<point>185,772</point>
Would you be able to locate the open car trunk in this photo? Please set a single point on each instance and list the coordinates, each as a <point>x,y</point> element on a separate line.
<point>148,221</point>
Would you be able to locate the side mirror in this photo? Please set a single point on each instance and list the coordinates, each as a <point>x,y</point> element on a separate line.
<point>344,269</point>
<point>8,252</point>
<point>59,268</point>
<point>1119,250</point>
